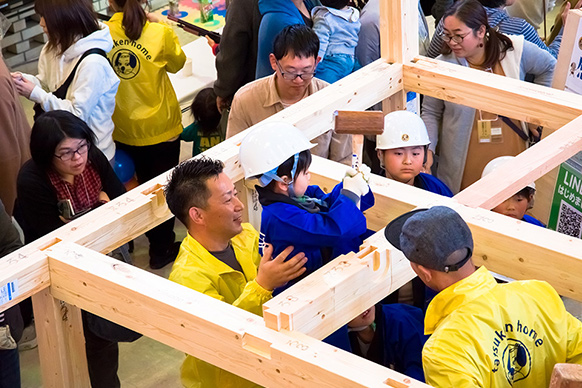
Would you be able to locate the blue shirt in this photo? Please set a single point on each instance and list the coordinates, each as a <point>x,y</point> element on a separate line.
<point>533,220</point>
<point>433,184</point>
<point>507,25</point>
<point>336,29</point>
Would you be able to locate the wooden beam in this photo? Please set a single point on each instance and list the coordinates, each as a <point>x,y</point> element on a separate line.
<point>507,246</point>
<point>562,68</point>
<point>138,211</point>
<point>339,291</point>
<point>22,274</point>
<point>211,330</point>
<point>510,97</point>
<point>61,344</point>
<point>526,167</point>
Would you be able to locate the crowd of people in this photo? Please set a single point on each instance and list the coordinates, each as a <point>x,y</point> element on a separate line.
<point>103,88</point>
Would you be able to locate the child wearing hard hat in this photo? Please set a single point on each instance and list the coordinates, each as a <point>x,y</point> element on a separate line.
<point>402,149</point>
<point>517,205</point>
<point>321,225</point>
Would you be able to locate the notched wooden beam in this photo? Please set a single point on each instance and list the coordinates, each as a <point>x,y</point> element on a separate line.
<point>209,329</point>
<point>339,291</point>
<point>497,94</point>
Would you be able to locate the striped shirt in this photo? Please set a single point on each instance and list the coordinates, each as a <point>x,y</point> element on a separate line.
<point>507,25</point>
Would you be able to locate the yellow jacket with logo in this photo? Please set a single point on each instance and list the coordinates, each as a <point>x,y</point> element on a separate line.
<point>146,110</point>
<point>197,269</point>
<point>485,334</point>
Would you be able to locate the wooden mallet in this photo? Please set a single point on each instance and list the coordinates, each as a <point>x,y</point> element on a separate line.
<point>358,124</point>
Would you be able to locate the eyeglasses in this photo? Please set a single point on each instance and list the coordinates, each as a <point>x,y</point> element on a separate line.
<point>292,76</point>
<point>82,150</point>
<point>454,38</point>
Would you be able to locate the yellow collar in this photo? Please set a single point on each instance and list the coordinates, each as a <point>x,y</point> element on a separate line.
<point>456,296</point>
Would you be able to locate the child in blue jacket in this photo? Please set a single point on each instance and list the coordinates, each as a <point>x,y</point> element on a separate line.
<point>337,26</point>
<point>402,149</point>
<point>391,335</point>
<point>323,226</point>
<point>518,204</point>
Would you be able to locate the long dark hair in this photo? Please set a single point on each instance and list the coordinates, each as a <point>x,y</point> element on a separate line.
<point>134,17</point>
<point>66,21</point>
<point>50,129</point>
<point>472,13</point>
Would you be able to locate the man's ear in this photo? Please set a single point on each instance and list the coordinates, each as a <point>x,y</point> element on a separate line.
<point>196,215</point>
<point>423,273</point>
<point>317,60</point>
<point>273,61</point>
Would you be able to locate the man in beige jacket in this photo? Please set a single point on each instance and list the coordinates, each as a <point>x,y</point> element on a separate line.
<point>294,60</point>
<point>14,135</point>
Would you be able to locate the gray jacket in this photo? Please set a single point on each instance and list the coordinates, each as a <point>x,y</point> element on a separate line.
<point>450,124</point>
<point>9,242</point>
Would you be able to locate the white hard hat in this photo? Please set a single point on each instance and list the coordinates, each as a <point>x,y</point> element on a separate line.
<point>402,129</point>
<point>268,145</point>
<point>499,161</point>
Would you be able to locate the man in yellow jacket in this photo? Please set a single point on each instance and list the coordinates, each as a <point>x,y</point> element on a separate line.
<point>220,255</point>
<point>483,334</point>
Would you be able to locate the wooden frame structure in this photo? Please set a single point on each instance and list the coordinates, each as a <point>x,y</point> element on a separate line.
<point>66,271</point>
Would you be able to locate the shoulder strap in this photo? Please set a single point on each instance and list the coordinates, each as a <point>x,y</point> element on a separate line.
<point>61,92</point>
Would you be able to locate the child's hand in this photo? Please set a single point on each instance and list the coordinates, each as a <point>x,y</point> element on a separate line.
<point>356,184</point>
<point>277,272</point>
<point>366,172</point>
<point>210,42</point>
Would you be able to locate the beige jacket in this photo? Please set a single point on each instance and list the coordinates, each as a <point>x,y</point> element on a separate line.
<point>259,99</point>
<point>14,138</point>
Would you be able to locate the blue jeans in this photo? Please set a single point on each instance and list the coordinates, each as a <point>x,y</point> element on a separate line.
<point>9,369</point>
<point>334,67</point>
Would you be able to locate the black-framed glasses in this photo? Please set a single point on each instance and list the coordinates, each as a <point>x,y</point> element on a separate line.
<point>292,76</point>
<point>82,150</point>
<point>454,38</point>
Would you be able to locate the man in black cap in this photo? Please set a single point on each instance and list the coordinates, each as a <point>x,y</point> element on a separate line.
<point>483,334</point>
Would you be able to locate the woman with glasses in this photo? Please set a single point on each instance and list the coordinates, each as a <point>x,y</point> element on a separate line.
<point>73,71</point>
<point>67,177</point>
<point>469,138</point>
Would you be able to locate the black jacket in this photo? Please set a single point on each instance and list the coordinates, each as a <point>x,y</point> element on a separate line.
<point>9,242</point>
<point>36,204</point>
<point>237,59</point>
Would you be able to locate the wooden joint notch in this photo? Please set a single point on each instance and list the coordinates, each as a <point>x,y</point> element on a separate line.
<point>405,383</point>
<point>158,200</point>
<point>257,345</point>
<point>49,244</point>
<point>377,259</point>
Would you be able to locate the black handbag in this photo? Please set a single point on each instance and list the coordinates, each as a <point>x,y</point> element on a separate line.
<point>61,92</point>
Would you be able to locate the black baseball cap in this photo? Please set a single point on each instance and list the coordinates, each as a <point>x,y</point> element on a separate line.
<point>434,238</point>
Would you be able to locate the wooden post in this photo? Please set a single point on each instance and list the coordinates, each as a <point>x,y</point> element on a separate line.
<point>398,41</point>
<point>61,343</point>
<point>566,376</point>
